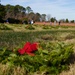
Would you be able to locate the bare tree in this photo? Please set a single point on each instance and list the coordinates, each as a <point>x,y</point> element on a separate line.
<point>48,17</point>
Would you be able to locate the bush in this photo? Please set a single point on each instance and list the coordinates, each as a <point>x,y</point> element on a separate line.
<point>30,27</point>
<point>3,27</point>
<point>48,61</point>
<point>25,20</point>
<point>12,20</point>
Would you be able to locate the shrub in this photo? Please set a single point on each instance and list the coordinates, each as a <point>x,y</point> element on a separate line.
<point>12,20</point>
<point>48,61</point>
<point>25,20</point>
<point>30,27</point>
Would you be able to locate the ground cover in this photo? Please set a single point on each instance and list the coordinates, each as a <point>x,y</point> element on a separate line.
<point>55,39</point>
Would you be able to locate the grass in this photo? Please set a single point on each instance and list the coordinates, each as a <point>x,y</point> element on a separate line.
<point>6,70</point>
<point>18,35</point>
<point>12,39</point>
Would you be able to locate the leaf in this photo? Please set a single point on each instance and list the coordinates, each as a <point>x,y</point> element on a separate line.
<point>45,51</point>
<point>13,55</point>
<point>43,68</point>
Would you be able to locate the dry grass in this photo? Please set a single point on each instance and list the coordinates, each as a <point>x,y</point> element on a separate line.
<point>69,72</point>
<point>6,70</point>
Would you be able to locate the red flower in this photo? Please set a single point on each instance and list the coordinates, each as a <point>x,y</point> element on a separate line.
<point>29,48</point>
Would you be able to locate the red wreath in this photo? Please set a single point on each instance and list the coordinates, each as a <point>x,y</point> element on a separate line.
<point>29,48</point>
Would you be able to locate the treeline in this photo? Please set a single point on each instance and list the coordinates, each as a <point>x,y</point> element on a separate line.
<point>19,14</point>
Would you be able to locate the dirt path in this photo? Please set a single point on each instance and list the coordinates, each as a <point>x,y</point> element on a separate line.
<point>47,23</point>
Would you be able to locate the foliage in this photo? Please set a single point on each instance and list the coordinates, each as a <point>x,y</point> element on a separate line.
<point>72,21</point>
<point>12,20</point>
<point>70,36</point>
<point>67,21</point>
<point>51,27</point>
<point>18,12</point>
<point>12,39</point>
<point>1,20</point>
<point>51,58</point>
<point>45,27</point>
<point>25,20</point>
<point>47,37</point>
<point>28,8</point>
<point>53,19</point>
<point>2,11</point>
<point>30,27</point>
<point>43,17</point>
<point>3,27</point>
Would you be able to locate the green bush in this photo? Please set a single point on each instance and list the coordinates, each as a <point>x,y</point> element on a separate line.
<point>49,61</point>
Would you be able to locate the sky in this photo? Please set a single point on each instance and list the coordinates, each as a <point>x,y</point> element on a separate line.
<point>60,9</point>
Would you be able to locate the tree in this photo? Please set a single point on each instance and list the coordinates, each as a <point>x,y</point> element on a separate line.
<point>9,11</point>
<point>17,12</point>
<point>37,17</point>
<point>72,21</point>
<point>48,17</point>
<point>31,15</point>
<point>67,20</point>
<point>7,7</point>
<point>28,9</point>
<point>43,17</point>
<point>2,11</point>
<point>53,19</point>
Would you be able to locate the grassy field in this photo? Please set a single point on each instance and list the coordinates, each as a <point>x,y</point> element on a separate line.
<point>15,35</point>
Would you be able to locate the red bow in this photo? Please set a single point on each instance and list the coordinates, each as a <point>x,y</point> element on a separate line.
<point>29,48</point>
